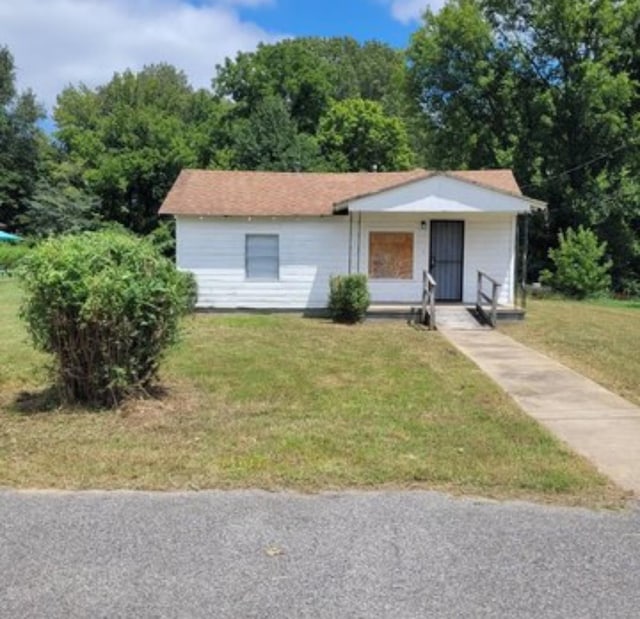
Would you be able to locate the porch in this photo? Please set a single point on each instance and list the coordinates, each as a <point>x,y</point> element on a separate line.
<point>449,315</point>
<point>486,312</point>
<point>446,228</point>
<point>469,268</point>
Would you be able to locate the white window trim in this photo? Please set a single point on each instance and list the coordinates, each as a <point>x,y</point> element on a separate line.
<point>246,258</point>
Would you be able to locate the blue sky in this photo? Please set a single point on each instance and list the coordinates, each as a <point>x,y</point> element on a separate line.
<point>61,42</point>
<point>361,19</point>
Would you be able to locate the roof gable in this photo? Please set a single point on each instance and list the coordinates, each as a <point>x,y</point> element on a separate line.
<point>219,193</point>
<point>442,192</point>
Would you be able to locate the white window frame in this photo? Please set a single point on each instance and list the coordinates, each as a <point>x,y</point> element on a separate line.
<point>247,258</point>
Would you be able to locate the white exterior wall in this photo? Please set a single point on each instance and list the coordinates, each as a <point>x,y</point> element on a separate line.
<point>489,246</point>
<point>311,250</point>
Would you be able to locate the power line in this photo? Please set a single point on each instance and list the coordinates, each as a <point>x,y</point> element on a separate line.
<point>580,166</point>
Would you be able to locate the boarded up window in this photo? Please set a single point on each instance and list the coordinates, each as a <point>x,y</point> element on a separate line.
<point>391,255</point>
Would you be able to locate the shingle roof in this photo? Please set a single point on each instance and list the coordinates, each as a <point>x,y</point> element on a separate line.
<point>233,193</point>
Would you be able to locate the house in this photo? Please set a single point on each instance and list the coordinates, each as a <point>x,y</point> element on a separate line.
<point>271,240</point>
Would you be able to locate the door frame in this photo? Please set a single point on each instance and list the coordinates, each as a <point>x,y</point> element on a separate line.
<point>461,222</point>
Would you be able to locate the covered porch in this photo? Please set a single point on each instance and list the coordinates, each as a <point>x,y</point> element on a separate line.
<point>443,240</point>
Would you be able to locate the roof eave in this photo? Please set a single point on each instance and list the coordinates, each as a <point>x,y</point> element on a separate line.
<point>247,215</point>
<point>536,205</point>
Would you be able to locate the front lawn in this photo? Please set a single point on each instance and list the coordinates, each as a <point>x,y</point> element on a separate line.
<point>274,401</point>
<point>600,339</point>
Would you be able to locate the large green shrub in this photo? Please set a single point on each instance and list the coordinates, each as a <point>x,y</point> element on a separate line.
<point>579,267</point>
<point>348,298</point>
<point>106,305</point>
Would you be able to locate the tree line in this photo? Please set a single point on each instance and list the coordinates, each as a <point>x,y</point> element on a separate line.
<point>549,88</point>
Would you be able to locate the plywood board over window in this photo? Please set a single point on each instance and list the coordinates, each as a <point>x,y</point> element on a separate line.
<point>391,255</point>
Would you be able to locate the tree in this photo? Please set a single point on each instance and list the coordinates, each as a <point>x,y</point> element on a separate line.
<point>462,84</point>
<point>106,305</point>
<point>357,135</point>
<point>309,73</point>
<point>579,267</point>
<point>548,87</point>
<point>21,142</point>
<point>59,209</point>
<point>287,70</point>
<point>132,136</point>
<point>269,140</point>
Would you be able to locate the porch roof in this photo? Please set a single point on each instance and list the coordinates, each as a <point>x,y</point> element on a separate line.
<point>446,192</point>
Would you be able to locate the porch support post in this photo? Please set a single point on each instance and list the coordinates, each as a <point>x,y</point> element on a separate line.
<point>350,259</point>
<point>525,258</point>
<point>359,241</point>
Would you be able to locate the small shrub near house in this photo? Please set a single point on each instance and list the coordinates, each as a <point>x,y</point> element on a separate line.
<point>106,305</point>
<point>349,298</point>
<point>580,270</point>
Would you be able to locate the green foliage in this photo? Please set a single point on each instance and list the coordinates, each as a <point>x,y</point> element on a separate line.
<point>549,88</point>
<point>20,142</point>
<point>284,98</point>
<point>163,238</point>
<point>59,209</point>
<point>349,298</point>
<point>460,82</point>
<point>309,73</point>
<point>132,136</point>
<point>269,140</point>
<point>630,288</point>
<point>357,135</point>
<point>579,267</point>
<point>106,305</point>
<point>11,254</point>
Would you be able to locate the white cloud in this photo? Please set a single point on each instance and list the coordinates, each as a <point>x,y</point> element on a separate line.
<point>407,11</point>
<point>58,42</point>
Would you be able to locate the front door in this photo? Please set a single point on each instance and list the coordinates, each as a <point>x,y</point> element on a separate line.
<point>446,252</point>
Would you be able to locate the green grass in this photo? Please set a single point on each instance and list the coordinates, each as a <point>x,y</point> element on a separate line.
<point>600,339</point>
<point>274,401</point>
<point>20,364</point>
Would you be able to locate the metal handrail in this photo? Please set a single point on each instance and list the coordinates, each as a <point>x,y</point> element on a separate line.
<point>428,312</point>
<point>492,316</point>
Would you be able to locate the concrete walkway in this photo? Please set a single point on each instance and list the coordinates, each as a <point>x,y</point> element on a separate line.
<point>593,421</point>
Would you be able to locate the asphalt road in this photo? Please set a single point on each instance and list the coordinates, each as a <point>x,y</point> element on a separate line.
<point>254,554</point>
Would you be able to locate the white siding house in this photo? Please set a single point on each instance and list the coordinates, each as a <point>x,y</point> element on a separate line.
<point>272,240</point>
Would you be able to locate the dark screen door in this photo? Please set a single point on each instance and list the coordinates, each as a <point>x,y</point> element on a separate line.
<point>446,251</point>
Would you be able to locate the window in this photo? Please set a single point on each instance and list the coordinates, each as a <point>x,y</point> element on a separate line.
<point>391,255</point>
<point>262,256</point>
